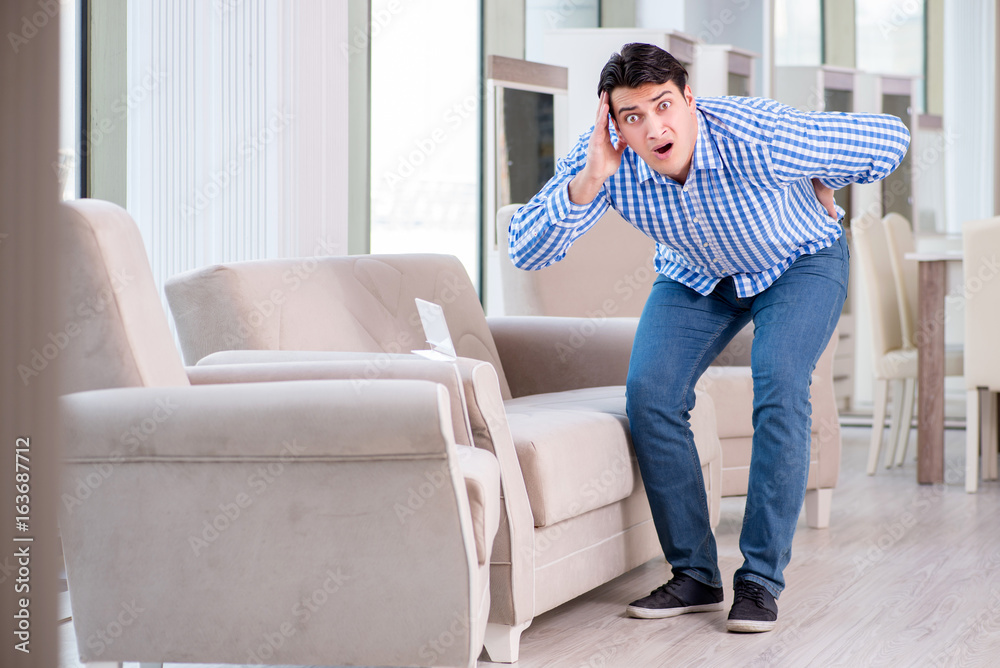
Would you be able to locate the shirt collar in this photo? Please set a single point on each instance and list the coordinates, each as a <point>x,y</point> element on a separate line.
<point>706,155</point>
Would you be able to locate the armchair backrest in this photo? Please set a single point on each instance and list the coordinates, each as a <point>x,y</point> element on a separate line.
<point>361,303</point>
<point>607,272</point>
<point>115,332</point>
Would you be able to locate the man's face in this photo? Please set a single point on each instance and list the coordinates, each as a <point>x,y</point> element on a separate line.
<point>659,123</point>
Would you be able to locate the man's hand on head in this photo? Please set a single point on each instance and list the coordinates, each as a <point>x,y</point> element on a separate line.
<point>603,158</point>
<point>825,197</point>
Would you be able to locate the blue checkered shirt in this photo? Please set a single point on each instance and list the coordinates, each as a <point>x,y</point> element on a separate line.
<point>748,208</point>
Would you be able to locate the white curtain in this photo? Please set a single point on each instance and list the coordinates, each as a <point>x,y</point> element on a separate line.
<point>970,61</point>
<point>237,129</point>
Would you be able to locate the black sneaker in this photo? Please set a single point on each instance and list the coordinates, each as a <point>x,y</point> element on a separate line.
<point>681,595</point>
<point>754,609</point>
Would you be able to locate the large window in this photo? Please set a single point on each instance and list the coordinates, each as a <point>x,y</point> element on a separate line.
<point>425,116</point>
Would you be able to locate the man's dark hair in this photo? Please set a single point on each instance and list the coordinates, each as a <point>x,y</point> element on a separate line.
<point>639,64</point>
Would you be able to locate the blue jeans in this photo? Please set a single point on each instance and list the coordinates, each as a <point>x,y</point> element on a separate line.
<point>680,333</point>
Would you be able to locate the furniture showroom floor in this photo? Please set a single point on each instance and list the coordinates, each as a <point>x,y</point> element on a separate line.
<point>907,575</point>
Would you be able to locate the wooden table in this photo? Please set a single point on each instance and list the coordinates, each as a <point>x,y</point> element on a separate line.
<point>929,337</point>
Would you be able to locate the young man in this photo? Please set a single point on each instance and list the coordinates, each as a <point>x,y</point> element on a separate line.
<point>738,194</point>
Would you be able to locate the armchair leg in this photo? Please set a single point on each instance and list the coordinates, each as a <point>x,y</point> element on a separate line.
<point>818,502</point>
<point>989,437</point>
<point>503,642</point>
<point>972,441</point>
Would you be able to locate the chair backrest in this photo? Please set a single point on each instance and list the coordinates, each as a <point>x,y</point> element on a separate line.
<point>360,303</point>
<point>981,266</point>
<point>609,271</point>
<point>115,330</point>
<point>899,235</point>
<point>871,253</point>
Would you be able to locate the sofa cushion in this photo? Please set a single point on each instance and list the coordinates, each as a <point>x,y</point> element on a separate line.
<point>574,449</point>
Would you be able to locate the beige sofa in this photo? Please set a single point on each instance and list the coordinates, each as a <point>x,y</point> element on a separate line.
<point>257,522</point>
<point>608,273</point>
<point>575,514</point>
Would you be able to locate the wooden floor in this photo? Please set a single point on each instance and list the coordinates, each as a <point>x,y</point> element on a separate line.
<point>907,575</point>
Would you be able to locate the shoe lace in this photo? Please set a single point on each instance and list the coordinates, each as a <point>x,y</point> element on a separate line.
<point>750,590</point>
<point>670,586</point>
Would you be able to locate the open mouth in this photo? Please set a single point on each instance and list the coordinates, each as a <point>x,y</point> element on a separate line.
<point>663,150</point>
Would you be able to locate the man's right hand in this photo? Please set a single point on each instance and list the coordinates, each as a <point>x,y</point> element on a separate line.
<point>603,158</point>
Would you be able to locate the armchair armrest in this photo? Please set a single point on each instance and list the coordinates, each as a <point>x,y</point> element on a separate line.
<point>260,366</point>
<point>512,573</point>
<point>304,419</point>
<point>550,354</point>
<point>240,503</point>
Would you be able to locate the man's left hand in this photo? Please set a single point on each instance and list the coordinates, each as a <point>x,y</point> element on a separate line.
<point>825,197</point>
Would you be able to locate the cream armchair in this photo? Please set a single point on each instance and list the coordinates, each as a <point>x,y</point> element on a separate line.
<point>545,395</point>
<point>309,522</point>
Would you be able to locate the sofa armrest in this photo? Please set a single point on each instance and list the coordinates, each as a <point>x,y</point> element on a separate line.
<point>548,354</point>
<point>512,575</point>
<point>302,419</point>
<point>361,369</point>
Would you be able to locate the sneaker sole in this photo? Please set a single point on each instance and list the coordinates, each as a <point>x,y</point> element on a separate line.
<point>663,613</point>
<point>749,626</point>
